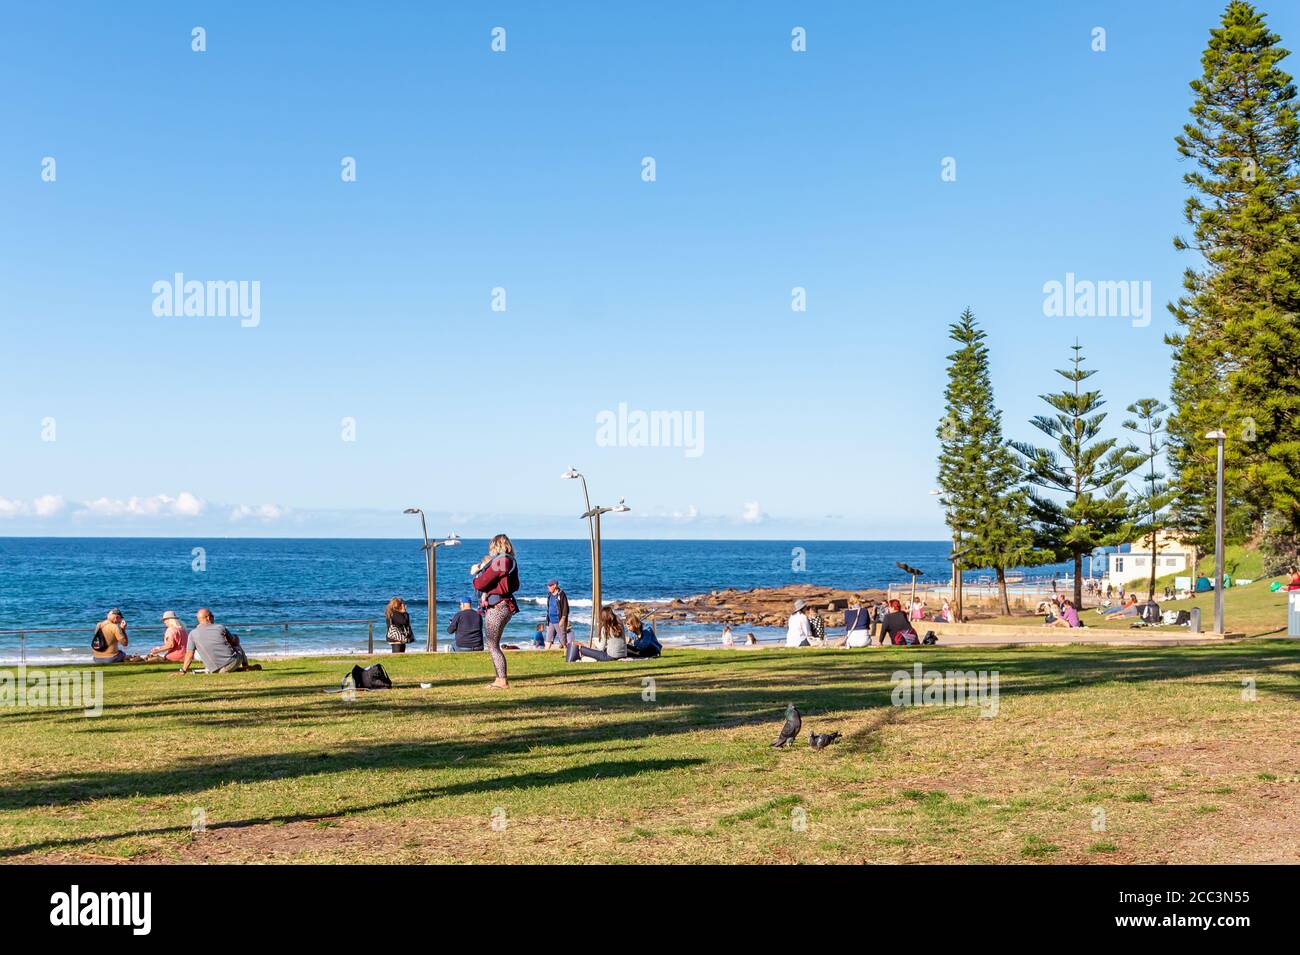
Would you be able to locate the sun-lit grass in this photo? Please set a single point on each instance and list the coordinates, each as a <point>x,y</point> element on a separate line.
<point>592,762</point>
<point>1248,611</point>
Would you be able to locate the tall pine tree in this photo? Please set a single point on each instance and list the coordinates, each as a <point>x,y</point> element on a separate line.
<point>978,476</point>
<point>1151,503</point>
<point>1238,347</point>
<point>1086,469</point>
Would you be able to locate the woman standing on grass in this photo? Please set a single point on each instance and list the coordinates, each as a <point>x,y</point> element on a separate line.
<point>496,578</point>
<point>399,625</point>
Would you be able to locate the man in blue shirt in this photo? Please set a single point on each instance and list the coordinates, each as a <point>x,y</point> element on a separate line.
<point>557,615</point>
<point>467,627</point>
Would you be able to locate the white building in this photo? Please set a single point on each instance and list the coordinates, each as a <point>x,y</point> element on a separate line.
<point>1134,563</point>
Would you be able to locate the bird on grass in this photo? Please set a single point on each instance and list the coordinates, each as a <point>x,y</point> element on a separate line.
<point>822,740</point>
<point>790,730</point>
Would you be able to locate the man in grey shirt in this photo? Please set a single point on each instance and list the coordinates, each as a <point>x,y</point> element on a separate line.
<point>218,647</point>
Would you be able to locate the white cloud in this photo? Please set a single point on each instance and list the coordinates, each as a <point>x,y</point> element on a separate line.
<point>183,504</point>
<point>47,505</point>
<point>752,513</point>
<point>262,512</point>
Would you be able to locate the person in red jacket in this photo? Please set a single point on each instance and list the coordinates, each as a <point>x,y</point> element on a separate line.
<point>496,578</point>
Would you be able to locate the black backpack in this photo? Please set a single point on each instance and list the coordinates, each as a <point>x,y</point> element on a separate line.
<point>930,639</point>
<point>369,678</point>
<point>97,642</point>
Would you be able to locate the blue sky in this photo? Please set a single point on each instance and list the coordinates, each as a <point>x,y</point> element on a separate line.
<point>522,170</point>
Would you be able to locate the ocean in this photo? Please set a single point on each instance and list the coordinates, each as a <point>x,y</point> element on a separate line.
<point>72,582</point>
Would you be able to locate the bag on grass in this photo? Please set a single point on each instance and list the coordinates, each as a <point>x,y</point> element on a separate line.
<point>368,678</point>
<point>930,639</point>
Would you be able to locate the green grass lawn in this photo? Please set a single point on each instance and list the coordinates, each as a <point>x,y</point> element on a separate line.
<point>1248,611</point>
<point>1095,755</point>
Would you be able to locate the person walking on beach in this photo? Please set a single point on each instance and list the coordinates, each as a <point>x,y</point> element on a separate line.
<point>797,632</point>
<point>399,625</point>
<point>557,615</point>
<point>727,639</point>
<point>496,578</point>
<point>176,640</point>
<point>216,646</point>
<point>466,628</point>
<point>107,644</point>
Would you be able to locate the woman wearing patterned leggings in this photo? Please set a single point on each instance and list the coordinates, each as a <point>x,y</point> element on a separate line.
<point>496,578</point>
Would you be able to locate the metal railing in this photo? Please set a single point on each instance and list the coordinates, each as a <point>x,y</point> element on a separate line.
<point>23,633</point>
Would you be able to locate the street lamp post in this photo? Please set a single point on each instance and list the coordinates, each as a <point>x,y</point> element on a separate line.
<point>592,514</point>
<point>1218,437</point>
<point>431,576</point>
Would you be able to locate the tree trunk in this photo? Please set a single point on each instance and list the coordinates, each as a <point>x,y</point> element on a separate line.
<point>1002,586</point>
<point>1151,591</point>
<point>957,582</point>
<point>1078,579</point>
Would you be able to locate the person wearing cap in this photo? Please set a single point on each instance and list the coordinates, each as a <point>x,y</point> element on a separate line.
<point>557,615</point>
<point>798,633</point>
<point>109,639</point>
<point>176,641</point>
<point>467,627</point>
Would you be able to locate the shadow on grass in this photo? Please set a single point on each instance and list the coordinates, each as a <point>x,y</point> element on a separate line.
<point>177,781</point>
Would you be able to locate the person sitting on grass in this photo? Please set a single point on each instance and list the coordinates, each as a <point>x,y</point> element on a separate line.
<point>106,646</point>
<point>216,646</point>
<point>896,626</point>
<point>643,642</point>
<point>1294,582</point>
<point>175,641</point>
<point>539,638</point>
<point>467,628</point>
<point>610,642</point>
<point>1068,617</point>
<point>798,633</point>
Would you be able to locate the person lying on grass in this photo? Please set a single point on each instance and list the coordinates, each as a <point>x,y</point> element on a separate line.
<point>610,642</point>
<point>217,646</point>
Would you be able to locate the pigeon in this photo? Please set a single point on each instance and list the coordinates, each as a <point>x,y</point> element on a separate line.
<point>793,723</point>
<point>822,740</point>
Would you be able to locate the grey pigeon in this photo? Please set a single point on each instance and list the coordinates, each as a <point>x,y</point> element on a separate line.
<point>822,740</point>
<point>793,723</point>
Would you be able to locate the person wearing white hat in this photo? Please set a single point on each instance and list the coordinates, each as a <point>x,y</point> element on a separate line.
<point>175,641</point>
<point>798,633</point>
